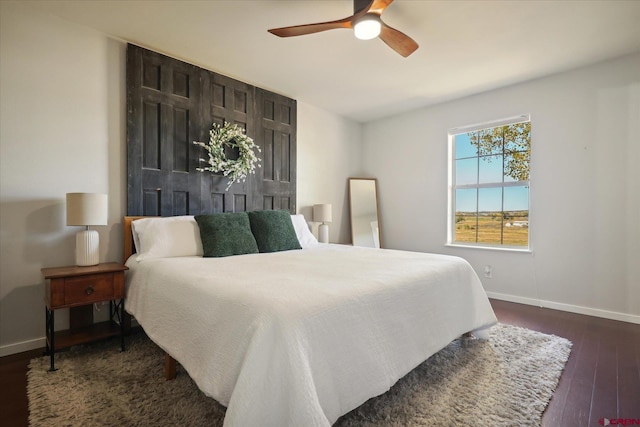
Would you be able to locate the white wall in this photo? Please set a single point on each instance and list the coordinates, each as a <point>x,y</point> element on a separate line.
<point>63,129</point>
<point>585,193</point>
<point>328,154</point>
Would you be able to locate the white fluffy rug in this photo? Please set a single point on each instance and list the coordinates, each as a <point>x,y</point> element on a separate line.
<point>505,381</point>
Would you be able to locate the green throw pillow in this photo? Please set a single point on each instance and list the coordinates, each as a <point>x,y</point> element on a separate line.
<point>226,234</point>
<point>273,231</point>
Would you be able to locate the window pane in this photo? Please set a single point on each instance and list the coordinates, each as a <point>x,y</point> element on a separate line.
<point>467,171</point>
<point>489,141</point>
<point>490,215</point>
<point>518,137</point>
<point>466,208</point>
<point>467,200</point>
<point>490,169</point>
<point>516,216</point>
<point>516,166</point>
<point>516,198</point>
<point>464,147</point>
<point>490,200</point>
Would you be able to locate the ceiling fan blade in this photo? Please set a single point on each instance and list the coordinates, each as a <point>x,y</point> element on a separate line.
<point>299,30</point>
<point>398,41</point>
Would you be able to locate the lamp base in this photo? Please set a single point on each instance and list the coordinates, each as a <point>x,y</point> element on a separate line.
<point>87,246</point>
<point>323,233</point>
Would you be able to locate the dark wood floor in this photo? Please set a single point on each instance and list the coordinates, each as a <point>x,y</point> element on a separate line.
<point>601,379</point>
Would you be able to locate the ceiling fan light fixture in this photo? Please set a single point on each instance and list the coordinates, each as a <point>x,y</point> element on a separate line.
<point>368,27</point>
<point>366,24</point>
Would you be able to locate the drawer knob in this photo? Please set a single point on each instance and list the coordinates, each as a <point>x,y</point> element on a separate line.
<point>89,290</point>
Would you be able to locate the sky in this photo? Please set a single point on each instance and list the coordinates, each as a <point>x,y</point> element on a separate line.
<point>488,169</point>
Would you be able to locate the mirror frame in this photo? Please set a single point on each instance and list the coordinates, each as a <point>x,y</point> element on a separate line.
<point>375,183</point>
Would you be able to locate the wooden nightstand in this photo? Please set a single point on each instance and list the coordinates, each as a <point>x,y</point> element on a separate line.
<point>77,288</point>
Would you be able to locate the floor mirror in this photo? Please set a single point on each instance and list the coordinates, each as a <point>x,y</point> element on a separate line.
<point>364,212</point>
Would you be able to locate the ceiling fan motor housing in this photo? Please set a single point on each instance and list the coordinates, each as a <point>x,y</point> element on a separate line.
<point>358,5</point>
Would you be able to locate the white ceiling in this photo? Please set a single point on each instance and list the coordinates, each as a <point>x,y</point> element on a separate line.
<point>466,47</point>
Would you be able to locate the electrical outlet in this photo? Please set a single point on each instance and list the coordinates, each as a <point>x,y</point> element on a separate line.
<point>488,271</point>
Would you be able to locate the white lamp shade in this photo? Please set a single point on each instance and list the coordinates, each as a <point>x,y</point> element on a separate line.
<point>322,213</point>
<point>87,209</point>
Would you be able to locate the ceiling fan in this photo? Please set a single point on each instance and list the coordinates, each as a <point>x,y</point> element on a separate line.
<point>366,22</point>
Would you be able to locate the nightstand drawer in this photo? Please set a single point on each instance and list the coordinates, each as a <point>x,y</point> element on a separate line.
<point>88,289</point>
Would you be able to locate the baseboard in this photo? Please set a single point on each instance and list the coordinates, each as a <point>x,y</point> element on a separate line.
<point>19,347</point>
<point>596,312</point>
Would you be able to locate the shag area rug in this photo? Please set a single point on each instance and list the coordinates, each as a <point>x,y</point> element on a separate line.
<point>505,381</point>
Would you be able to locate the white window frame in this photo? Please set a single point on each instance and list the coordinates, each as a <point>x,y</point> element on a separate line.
<point>451,214</point>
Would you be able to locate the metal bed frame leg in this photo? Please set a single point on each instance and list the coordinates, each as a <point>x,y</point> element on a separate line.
<point>122,325</point>
<point>50,346</point>
<point>117,310</point>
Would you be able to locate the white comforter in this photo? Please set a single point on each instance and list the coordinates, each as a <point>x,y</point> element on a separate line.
<point>298,338</point>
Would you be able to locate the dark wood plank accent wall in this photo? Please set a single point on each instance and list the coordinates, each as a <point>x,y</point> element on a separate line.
<point>277,124</point>
<point>170,104</point>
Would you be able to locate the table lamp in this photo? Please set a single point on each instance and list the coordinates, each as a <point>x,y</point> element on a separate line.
<point>322,213</point>
<point>87,209</point>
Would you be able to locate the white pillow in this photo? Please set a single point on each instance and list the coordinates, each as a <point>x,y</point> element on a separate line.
<point>305,237</point>
<point>165,237</point>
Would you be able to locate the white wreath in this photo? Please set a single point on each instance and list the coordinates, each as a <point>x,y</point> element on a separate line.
<point>233,136</point>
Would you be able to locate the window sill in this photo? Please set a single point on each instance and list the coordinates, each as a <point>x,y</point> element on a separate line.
<point>491,248</point>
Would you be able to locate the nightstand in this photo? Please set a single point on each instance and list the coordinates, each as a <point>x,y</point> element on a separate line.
<point>78,288</point>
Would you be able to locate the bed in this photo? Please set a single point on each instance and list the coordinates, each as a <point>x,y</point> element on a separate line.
<point>301,337</point>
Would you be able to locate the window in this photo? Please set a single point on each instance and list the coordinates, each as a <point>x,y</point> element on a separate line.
<point>489,184</point>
